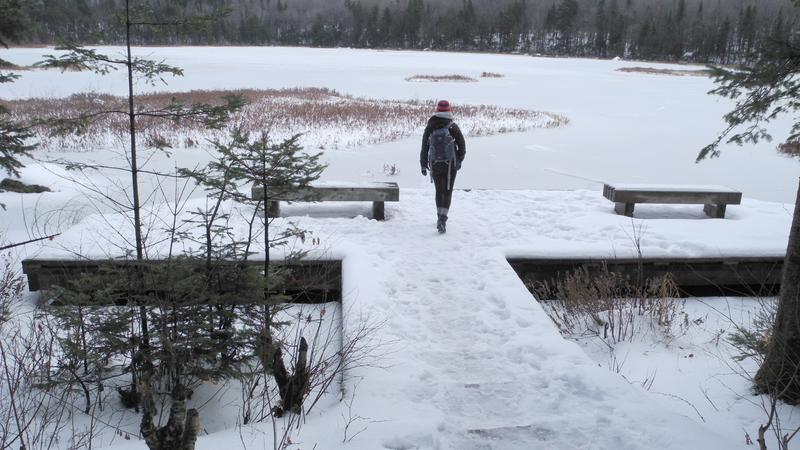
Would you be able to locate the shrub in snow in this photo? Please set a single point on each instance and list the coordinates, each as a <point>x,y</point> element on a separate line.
<point>9,185</point>
<point>436,78</point>
<point>751,339</point>
<point>612,306</point>
<point>32,413</point>
<point>391,169</point>
<point>791,148</point>
<point>676,72</point>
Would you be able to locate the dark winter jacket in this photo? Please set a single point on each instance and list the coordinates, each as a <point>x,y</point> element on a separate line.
<point>434,123</point>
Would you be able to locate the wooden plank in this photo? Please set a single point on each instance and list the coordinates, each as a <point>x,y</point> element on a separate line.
<point>675,195</point>
<point>43,274</point>
<point>374,192</point>
<point>749,274</point>
<point>688,198</point>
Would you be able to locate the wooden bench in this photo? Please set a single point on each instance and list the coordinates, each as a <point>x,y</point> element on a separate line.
<point>376,192</point>
<point>714,198</point>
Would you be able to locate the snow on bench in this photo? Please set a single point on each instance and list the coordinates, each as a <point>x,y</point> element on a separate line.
<point>375,192</point>
<point>714,198</point>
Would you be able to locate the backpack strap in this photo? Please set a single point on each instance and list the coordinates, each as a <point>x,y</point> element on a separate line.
<point>452,122</point>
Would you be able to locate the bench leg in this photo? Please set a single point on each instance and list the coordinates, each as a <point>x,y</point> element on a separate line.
<point>624,209</point>
<point>715,211</point>
<point>274,208</point>
<point>378,211</point>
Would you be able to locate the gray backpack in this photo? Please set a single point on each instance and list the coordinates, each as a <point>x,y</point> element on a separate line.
<point>441,146</point>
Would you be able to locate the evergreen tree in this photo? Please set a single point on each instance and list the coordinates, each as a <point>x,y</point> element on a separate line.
<point>681,14</point>
<point>412,23</point>
<point>359,24</point>
<point>273,169</point>
<point>746,32</point>
<point>373,33</point>
<point>778,32</point>
<point>13,21</point>
<point>683,32</point>
<point>14,136</point>
<point>140,294</point>
<point>468,23</point>
<point>601,36</point>
<point>386,28</point>
<point>722,41</point>
<point>317,36</point>
<point>677,35</point>
<point>647,42</point>
<point>697,39</point>
<point>764,91</point>
<point>511,25</point>
<point>564,16</point>
<point>617,30</point>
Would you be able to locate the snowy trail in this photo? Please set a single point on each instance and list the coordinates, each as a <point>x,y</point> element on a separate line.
<point>476,363</point>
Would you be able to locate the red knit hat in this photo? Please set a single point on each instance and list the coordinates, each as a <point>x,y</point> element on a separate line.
<point>443,106</point>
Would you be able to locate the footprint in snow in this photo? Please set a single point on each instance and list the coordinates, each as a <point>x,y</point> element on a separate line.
<point>409,442</point>
<point>502,314</point>
<point>497,302</point>
<point>524,323</point>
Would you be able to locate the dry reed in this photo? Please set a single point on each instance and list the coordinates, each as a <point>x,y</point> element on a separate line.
<point>328,119</point>
<point>437,78</point>
<point>674,72</point>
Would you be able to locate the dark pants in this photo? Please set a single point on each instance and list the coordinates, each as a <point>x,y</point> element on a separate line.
<point>444,190</point>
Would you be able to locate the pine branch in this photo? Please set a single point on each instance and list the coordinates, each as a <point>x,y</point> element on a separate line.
<point>8,77</point>
<point>764,91</point>
<point>151,71</point>
<point>13,144</point>
<point>80,59</point>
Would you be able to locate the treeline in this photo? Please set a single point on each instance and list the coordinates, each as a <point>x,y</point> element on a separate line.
<point>721,31</point>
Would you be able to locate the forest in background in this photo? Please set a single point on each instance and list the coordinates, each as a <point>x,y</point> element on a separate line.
<point>705,31</point>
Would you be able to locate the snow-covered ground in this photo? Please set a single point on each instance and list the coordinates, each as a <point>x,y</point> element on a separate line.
<point>695,374</point>
<point>475,363</point>
<point>472,360</point>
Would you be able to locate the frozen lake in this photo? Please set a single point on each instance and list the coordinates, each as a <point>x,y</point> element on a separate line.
<point>625,127</point>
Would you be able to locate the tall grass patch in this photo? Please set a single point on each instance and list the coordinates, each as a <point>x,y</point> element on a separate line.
<point>327,118</point>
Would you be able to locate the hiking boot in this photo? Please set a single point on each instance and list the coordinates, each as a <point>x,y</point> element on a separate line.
<point>441,213</point>
<point>440,224</point>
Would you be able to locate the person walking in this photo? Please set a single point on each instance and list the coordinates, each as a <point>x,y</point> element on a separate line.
<point>443,151</point>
